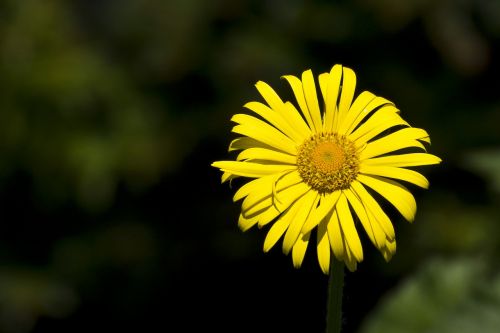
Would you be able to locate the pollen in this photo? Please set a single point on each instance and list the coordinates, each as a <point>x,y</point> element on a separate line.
<point>328,162</point>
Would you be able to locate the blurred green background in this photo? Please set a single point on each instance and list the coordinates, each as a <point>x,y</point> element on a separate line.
<point>111,112</point>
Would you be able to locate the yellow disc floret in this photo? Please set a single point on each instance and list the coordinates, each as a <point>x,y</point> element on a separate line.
<point>328,162</point>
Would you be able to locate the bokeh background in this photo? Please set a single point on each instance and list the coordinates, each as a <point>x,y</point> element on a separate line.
<point>111,112</point>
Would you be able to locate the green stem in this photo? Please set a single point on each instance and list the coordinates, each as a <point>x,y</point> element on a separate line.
<point>334,305</point>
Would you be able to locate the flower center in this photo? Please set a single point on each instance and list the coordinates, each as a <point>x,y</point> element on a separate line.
<point>328,162</point>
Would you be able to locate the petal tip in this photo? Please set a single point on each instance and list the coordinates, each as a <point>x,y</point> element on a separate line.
<point>325,267</point>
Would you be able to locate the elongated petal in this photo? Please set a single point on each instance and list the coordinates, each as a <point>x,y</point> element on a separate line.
<point>395,193</point>
<point>349,258</point>
<point>335,236</point>
<point>269,136</point>
<point>296,86</point>
<point>359,105</point>
<point>266,154</point>
<point>290,195</point>
<point>383,119</point>
<point>244,142</point>
<point>358,112</point>
<point>282,188</point>
<point>245,223</point>
<point>374,220</point>
<point>227,176</point>
<point>276,119</point>
<point>267,216</point>
<point>249,169</point>
<point>348,228</point>
<point>323,247</point>
<point>389,250</point>
<point>284,109</point>
<point>299,249</point>
<point>327,203</point>
<point>404,138</point>
<point>260,185</point>
<point>373,206</point>
<point>346,96</point>
<point>404,160</point>
<point>323,84</point>
<point>293,231</point>
<point>258,129</point>
<point>332,94</point>
<point>311,97</point>
<point>397,173</point>
<point>267,213</point>
<point>271,97</point>
<point>279,227</point>
<point>292,115</point>
<point>373,230</point>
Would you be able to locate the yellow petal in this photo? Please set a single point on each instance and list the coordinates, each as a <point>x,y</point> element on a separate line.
<point>299,249</point>
<point>373,230</point>
<point>271,97</point>
<point>323,247</point>
<point>244,142</point>
<point>227,176</point>
<point>383,119</point>
<point>357,107</point>
<point>279,227</point>
<point>376,224</point>
<point>349,258</point>
<point>389,250</point>
<point>375,210</point>
<point>289,114</point>
<point>260,218</point>
<point>335,236</point>
<point>289,196</point>
<point>262,131</point>
<point>323,84</point>
<point>312,99</point>
<point>404,160</point>
<point>269,136</point>
<point>267,216</point>
<point>249,169</point>
<point>394,192</point>
<point>266,154</point>
<point>348,228</point>
<point>262,184</point>
<point>378,103</point>
<point>327,203</point>
<point>262,195</point>
<point>305,205</point>
<point>332,93</point>
<point>404,138</point>
<point>292,115</point>
<point>276,119</point>
<point>346,96</point>
<point>397,173</point>
<point>296,86</point>
<point>245,223</point>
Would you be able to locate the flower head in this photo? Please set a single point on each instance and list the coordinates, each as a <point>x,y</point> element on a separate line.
<point>318,169</point>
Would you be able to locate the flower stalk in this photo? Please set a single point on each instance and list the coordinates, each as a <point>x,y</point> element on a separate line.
<point>334,302</point>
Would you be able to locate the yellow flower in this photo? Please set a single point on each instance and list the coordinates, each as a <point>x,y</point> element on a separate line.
<point>318,169</point>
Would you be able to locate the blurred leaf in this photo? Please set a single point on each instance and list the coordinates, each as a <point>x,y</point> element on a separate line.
<point>26,295</point>
<point>443,296</point>
<point>450,226</point>
<point>77,122</point>
<point>486,162</point>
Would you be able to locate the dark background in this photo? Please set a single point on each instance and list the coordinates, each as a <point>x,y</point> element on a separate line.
<point>111,112</point>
